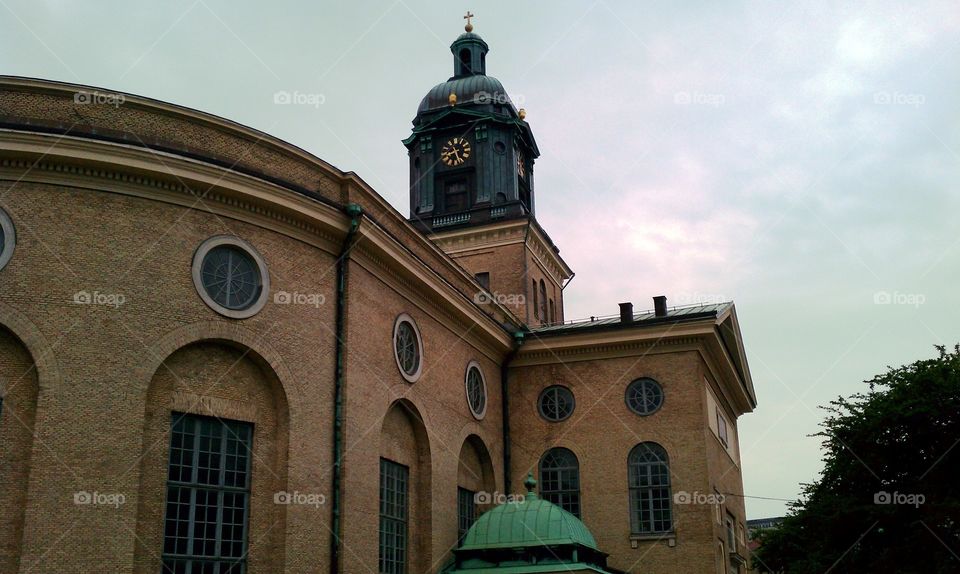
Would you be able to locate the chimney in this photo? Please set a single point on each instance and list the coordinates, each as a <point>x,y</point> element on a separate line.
<point>626,312</point>
<point>660,306</point>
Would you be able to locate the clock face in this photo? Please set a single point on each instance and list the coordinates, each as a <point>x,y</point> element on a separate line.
<point>455,151</point>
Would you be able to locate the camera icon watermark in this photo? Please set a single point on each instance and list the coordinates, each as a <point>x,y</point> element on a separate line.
<point>84,98</point>
<point>698,98</point>
<point>483,297</point>
<point>484,498</point>
<point>899,99</point>
<point>897,298</point>
<point>287,298</point>
<point>97,298</point>
<point>285,98</point>
<point>883,497</point>
<point>683,497</point>
<point>297,498</point>
<point>500,98</point>
<point>85,498</point>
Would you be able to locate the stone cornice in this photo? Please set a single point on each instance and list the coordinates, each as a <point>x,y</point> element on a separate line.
<point>131,170</point>
<point>701,336</point>
<point>467,240</point>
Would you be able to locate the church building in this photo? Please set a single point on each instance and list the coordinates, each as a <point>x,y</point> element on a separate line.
<point>221,354</point>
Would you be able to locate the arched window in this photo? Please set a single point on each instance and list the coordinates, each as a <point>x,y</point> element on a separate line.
<point>560,479</point>
<point>536,300</point>
<point>465,68</point>
<point>543,301</point>
<point>648,470</point>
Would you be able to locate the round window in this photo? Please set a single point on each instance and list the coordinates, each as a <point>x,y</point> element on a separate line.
<point>407,346</point>
<point>556,403</point>
<point>231,277</point>
<point>476,390</point>
<point>8,238</point>
<point>644,396</point>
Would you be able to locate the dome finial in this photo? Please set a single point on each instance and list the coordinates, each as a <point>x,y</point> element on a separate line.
<point>530,483</point>
<point>469,26</point>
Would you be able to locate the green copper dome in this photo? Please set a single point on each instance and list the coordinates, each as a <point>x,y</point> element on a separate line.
<point>475,90</point>
<point>526,537</point>
<point>532,522</point>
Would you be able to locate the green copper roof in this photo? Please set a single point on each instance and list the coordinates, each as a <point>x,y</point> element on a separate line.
<point>477,89</point>
<point>530,522</point>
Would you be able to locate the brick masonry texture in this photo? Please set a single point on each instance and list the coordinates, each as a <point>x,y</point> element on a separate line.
<point>89,388</point>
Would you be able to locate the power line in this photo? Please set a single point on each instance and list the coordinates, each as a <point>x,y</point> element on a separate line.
<point>759,497</point>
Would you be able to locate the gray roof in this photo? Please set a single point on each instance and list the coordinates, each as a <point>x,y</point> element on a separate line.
<point>674,314</point>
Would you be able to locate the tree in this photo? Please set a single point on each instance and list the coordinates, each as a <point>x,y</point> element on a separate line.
<point>888,499</point>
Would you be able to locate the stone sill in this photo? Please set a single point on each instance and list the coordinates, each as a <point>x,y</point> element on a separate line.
<point>669,537</point>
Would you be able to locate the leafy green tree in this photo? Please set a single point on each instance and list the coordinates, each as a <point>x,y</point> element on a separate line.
<point>888,499</point>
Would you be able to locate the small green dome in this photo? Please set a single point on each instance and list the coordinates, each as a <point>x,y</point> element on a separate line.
<point>530,522</point>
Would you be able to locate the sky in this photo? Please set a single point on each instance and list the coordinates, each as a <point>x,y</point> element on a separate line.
<point>801,158</point>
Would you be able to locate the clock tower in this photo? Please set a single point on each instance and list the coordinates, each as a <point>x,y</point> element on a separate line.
<point>472,157</point>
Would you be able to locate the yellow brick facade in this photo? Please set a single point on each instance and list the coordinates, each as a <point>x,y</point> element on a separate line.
<point>103,337</point>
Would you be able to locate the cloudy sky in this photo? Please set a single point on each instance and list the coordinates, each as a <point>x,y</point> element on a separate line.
<point>800,158</point>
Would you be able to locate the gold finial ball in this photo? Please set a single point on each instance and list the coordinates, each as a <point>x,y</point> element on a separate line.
<point>522,113</point>
<point>468,27</point>
<point>452,98</point>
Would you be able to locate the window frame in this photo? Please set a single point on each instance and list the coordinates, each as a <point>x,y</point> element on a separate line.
<point>474,366</point>
<point>568,499</point>
<point>415,375</point>
<point>466,512</point>
<point>199,257</point>
<point>401,520</point>
<point>540,397</point>
<point>644,381</point>
<point>9,238</point>
<point>722,433</point>
<point>196,485</point>
<point>647,495</point>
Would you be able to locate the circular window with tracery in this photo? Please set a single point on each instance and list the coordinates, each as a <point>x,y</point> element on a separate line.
<point>556,403</point>
<point>644,396</point>
<point>231,277</point>
<point>408,348</point>
<point>8,238</point>
<point>476,387</point>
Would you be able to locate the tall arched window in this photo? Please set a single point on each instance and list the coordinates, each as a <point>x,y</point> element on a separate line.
<point>560,479</point>
<point>465,67</point>
<point>543,301</point>
<point>648,470</point>
<point>536,300</point>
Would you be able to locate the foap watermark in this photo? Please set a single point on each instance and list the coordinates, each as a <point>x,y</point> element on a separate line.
<point>297,498</point>
<point>84,98</point>
<point>694,298</point>
<point>899,99</point>
<point>84,498</point>
<point>884,497</point>
<point>287,298</point>
<point>699,98</point>
<point>898,298</point>
<point>684,497</point>
<point>501,98</point>
<point>97,298</point>
<point>296,98</point>
<point>502,298</point>
<point>483,498</point>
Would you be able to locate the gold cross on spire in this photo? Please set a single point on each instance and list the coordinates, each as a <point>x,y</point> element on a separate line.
<point>469,26</point>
